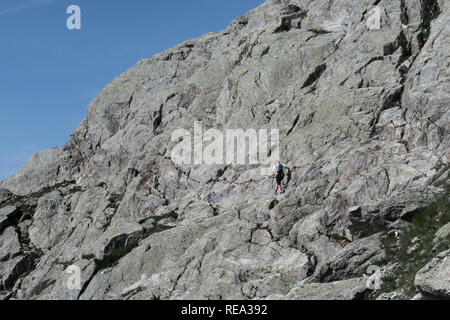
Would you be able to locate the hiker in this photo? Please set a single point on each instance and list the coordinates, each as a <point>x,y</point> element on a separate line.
<point>278,169</point>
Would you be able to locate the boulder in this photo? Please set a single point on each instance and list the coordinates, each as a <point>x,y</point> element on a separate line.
<point>434,279</point>
<point>9,244</point>
<point>340,290</point>
<point>442,234</point>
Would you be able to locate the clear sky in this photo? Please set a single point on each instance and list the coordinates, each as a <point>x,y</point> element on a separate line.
<point>49,74</point>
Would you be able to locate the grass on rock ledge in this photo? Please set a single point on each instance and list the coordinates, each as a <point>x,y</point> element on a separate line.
<point>414,247</point>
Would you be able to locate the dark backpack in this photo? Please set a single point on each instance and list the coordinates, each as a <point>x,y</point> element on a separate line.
<point>280,168</point>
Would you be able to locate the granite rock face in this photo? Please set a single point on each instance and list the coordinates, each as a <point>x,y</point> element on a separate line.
<point>363,115</point>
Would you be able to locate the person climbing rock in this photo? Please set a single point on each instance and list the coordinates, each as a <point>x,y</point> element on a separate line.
<point>278,169</point>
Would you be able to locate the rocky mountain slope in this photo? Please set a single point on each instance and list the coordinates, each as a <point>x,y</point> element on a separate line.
<point>364,123</point>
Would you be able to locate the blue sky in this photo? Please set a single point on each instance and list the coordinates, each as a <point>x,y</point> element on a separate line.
<point>49,74</point>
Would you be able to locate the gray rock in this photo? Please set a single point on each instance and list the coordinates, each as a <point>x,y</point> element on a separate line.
<point>412,248</point>
<point>399,225</point>
<point>340,290</point>
<point>354,259</point>
<point>395,295</point>
<point>442,234</point>
<point>46,168</point>
<point>6,216</point>
<point>434,279</point>
<point>5,195</point>
<point>11,270</point>
<point>420,296</point>
<point>9,244</point>
<point>117,238</point>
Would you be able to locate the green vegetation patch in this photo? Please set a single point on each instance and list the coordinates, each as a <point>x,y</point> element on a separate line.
<point>414,247</point>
